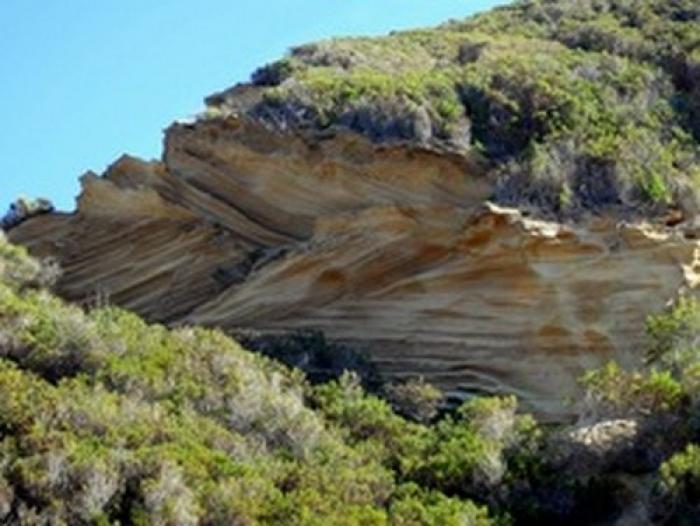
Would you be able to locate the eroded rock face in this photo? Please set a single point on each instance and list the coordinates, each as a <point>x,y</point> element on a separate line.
<point>392,249</point>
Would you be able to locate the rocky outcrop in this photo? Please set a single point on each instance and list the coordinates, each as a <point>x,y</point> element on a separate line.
<point>391,249</point>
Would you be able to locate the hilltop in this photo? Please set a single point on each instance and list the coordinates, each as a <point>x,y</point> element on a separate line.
<point>576,105</point>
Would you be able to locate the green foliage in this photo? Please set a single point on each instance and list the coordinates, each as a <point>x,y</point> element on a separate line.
<point>329,97</point>
<point>679,486</point>
<point>674,343</point>
<point>673,335</point>
<point>584,105</point>
<point>17,269</point>
<point>613,391</point>
<point>682,472</point>
<point>416,399</point>
<point>484,446</point>
<point>370,421</point>
<point>413,506</point>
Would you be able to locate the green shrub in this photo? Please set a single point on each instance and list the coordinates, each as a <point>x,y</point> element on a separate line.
<point>416,399</point>
<point>615,392</point>
<point>679,487</point>
<point>673,335</point>
<point>17,269</point>
<point>413,507</point>
<point>616,85</point>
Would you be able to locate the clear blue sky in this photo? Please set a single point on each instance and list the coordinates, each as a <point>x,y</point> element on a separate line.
<point>83,81</point>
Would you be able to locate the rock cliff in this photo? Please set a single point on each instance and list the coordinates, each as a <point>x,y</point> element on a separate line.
<point>393,250</point>
<point>495,204</point>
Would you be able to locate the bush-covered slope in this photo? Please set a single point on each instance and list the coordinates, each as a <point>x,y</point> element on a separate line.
<point>107,420</point>
<point>579,104</point>
<point>104,419</point>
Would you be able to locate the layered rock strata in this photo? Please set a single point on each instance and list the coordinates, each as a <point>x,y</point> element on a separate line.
<point>392,249</point>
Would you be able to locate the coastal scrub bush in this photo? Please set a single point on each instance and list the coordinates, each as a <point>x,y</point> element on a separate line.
<point>106,419</point>
<point>578,106</point>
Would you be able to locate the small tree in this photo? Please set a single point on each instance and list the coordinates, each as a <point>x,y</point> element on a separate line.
<point>416,399</point>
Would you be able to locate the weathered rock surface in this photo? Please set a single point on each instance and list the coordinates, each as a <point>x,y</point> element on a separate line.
<point>391,248</point>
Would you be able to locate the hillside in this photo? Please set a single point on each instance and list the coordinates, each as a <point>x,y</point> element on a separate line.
<point>467,203</point>
<point>105,419</point>
<point>576,105</point>
<point>504,207</point>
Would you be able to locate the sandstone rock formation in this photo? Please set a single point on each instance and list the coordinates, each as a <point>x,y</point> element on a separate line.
<point>393,249</point>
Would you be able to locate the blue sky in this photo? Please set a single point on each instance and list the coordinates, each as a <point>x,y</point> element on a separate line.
<point>83,81</point>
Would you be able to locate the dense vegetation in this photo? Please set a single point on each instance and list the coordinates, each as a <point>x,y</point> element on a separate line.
<point>105,419</point>
<point>578,104</point>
